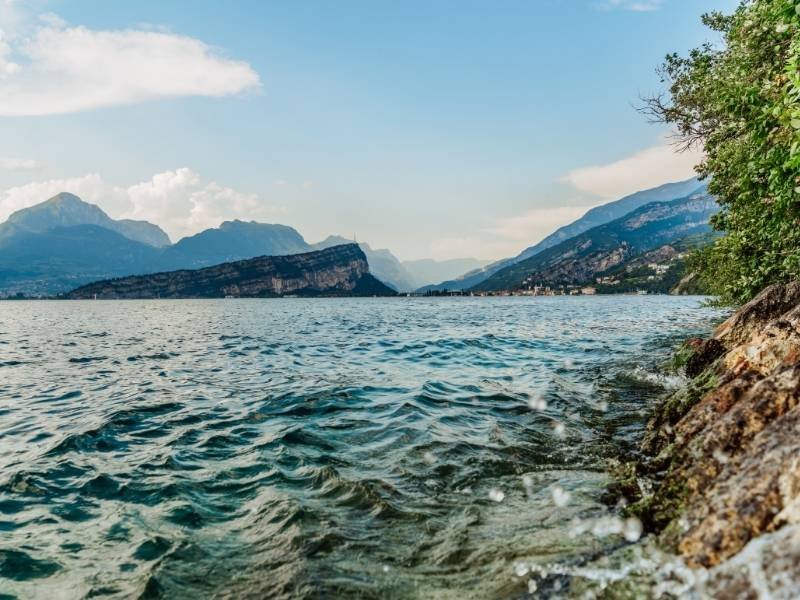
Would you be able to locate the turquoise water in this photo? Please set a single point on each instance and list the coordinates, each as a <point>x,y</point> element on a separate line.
<point>294,448</point>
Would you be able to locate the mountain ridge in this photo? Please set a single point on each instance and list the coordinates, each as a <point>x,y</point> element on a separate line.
<point>54,255</point>
<point>67,210</point>
<point>594,217</point>
<point>335,271</point>
<point>383,263</point>
<point>423,271</point>
<point>575,261</point>
<point>609,211</point>
<point>232,241</point>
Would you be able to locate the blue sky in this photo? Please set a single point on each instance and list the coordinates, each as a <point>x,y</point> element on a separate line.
<point>437,129</point>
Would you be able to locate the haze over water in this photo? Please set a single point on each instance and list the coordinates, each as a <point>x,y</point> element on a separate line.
<point>316,448</point>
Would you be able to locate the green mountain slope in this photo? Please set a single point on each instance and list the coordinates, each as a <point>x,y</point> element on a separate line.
<point>45,263</point>
<point>579,259</point>
<point>593,218</point>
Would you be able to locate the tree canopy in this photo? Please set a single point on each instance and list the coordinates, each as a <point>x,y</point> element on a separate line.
<point>740,101</point>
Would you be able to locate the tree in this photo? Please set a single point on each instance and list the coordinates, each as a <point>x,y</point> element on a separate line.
<point>740,102</point>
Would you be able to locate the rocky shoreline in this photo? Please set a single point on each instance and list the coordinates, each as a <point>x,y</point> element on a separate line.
<point>718,478</point>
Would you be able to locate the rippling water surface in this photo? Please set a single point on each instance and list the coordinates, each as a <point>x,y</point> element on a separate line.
<point>315,448</point>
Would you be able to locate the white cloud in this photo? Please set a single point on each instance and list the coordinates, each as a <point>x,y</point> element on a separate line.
<point>13,14</point>
<point>89,187</point>
<point>645,169</point>
<point>8,163</point>
<point>507,236</point>
<point>180,201</point>
<point>7,67</point>
<point>634,5</point>
<point>60,69</point>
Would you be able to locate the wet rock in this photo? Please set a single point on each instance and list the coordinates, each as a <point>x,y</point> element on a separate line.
<point>768,567</point>
<point>770,304</point>
<point>746,495</point>
<point>724,453</point>
<point>703,354</point>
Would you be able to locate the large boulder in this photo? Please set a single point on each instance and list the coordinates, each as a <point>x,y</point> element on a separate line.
<point>725,452</point>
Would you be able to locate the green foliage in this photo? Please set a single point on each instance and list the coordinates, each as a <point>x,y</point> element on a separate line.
<point>741,102</point>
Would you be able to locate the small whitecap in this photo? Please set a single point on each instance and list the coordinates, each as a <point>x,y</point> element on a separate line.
<point>538,403</point>
<point>607,526</point>
<point>559,430</point>
<point>561,497</point>
<point>429,458</point>
<point>532,586</point>
<point>385,568</point>
<point>527,483</point>
<point>521,569</point>
<point>466,490</point>
<point>496,495</point>
<point>569,364</point>
<point>578,527</point>
<point>602,406</point>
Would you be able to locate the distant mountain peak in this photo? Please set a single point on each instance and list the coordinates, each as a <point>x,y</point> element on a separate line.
<point>66,197</point>
<point>68,210</point>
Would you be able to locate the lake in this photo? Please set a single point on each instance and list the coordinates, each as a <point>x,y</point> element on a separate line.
<point>301,448</point>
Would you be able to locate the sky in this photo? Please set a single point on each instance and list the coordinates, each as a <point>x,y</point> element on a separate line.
<point>436,129</point>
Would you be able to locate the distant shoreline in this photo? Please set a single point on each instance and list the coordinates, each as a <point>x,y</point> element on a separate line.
<point>399,296</point>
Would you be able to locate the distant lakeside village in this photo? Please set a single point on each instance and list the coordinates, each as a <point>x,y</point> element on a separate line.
<point>634,280</point>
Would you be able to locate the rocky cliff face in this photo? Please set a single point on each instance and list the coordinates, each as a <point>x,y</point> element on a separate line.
<point>724,453</point>
<point>337,271</point>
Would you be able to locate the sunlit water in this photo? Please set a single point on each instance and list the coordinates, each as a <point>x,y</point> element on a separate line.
<point>404,448</point>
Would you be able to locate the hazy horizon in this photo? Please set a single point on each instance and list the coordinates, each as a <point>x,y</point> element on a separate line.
<point>443,131</point>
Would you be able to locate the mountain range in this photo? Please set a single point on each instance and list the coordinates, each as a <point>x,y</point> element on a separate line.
<point>427,270</point>
<point>578,259</point>
<point>596,216</point>
<point>65,242</point>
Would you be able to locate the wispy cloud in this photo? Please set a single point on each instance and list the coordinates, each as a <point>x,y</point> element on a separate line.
<point>596,184</point>
<point>179,201</point>
<point>507,236</point>
<point>634,5</point>
<point>56,68</point>
<point>8,163</point>
<point>645,169</point>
